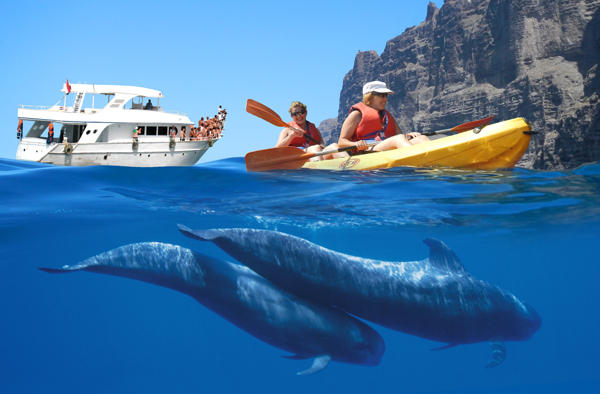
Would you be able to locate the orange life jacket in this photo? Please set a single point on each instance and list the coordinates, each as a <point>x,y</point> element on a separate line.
<point>303,141</point>
<point>373,125</point>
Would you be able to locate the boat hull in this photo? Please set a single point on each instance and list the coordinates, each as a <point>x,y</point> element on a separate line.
<point>147,154</point>
<point>500,145</point>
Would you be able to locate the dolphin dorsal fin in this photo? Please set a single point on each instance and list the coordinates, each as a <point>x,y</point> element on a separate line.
<point>442,257</point>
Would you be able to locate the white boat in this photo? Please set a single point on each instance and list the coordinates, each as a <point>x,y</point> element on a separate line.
<point>104,135</point>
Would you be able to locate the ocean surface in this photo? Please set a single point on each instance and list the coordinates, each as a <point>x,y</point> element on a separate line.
<point>532,233</point>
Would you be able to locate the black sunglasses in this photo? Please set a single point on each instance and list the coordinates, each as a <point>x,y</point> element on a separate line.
<point>298,113</point>
<point>380,94</point>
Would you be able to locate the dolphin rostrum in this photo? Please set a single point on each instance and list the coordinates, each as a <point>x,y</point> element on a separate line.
<point>247,300</point>
<point>433,298</point>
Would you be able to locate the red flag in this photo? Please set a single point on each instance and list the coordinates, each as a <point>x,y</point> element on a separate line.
<point>68,86</point>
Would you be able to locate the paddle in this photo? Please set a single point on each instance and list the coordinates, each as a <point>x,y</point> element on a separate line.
<point>463,127</point>
<point>266,113</point>
<point>291,158</point>
<point>285,158</point>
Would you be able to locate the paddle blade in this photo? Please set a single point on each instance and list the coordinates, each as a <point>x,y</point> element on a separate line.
<point>472,125</point>
<point>285,158</point>
<point>262,111</point>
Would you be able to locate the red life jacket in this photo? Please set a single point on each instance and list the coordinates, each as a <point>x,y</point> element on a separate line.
<point>303,141</point>
<point>372,126</point>
<point>50,129</point>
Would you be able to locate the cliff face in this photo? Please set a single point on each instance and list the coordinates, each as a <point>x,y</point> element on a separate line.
<point>536,59</point>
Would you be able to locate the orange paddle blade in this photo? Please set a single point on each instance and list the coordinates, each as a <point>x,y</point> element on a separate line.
<point>285,158</point>
<point>472,125</point>
<point>262,111</point>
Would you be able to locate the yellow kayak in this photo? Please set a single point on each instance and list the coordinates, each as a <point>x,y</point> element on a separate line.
<point>499,145</point>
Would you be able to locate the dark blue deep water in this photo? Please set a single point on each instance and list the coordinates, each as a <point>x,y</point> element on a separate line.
<point>533,233</point>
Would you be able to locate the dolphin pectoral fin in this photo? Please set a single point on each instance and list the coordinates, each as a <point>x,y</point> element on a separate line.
<point>448,346</point>
<point>296,357</point>
<point>498,354</point>
<point>318,365</point>
<point>54,270</point>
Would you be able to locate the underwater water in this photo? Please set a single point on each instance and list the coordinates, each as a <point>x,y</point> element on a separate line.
<point>532,233</point>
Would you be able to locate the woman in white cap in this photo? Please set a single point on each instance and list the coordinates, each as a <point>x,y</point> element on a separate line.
<point>369,122</point>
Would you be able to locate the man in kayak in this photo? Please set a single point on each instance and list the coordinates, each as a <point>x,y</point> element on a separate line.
<point>303,134</point>
<point>370,123</point>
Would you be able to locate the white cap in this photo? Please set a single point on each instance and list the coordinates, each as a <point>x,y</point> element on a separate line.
<point>376,86</point>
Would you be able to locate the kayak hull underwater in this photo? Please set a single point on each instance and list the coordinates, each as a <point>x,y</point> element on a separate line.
<point>499,145</point>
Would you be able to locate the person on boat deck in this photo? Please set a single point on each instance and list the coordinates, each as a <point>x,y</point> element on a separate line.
<point>298,138</point>
<point>136,132</point>
<point>201,127</point>
<point>172,132</point>
<point>148,104</point>
<point>369,122</point>
<point>50,133</point>
<point>182,134</point>
<point>221,114</point>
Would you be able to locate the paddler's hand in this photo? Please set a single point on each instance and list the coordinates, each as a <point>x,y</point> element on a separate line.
<point>294,133</point>
<point>361,145</point>
<point>410,136</point>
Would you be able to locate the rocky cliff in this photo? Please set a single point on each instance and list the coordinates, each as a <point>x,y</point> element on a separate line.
<point>536,59</point>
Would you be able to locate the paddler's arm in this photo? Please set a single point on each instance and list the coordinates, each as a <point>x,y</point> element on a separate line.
<point>286,136</point>
<point>348,129</point>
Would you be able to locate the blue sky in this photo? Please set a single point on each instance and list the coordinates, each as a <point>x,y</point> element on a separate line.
<point>198,54</point>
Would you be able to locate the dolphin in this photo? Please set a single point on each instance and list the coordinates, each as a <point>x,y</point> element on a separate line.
<point>247,300</point>
<point>434,298</point>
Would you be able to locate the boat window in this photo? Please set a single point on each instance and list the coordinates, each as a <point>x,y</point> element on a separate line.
<point>151,130</point>
<point>142,130</point>
<point>162,130</point>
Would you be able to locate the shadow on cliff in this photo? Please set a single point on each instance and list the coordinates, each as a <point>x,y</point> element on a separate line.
<point>589,64</point>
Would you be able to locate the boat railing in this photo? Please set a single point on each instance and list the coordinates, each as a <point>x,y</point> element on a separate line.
<point>175,112</point>
<point>54,108</point>
<point>159,109</point>
<point>36,107</point>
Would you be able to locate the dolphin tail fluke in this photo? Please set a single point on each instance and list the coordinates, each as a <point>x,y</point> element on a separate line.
<point>318,365</point>
<point>498,354</point>
<point>448,346</point>
<point>296,357</point>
